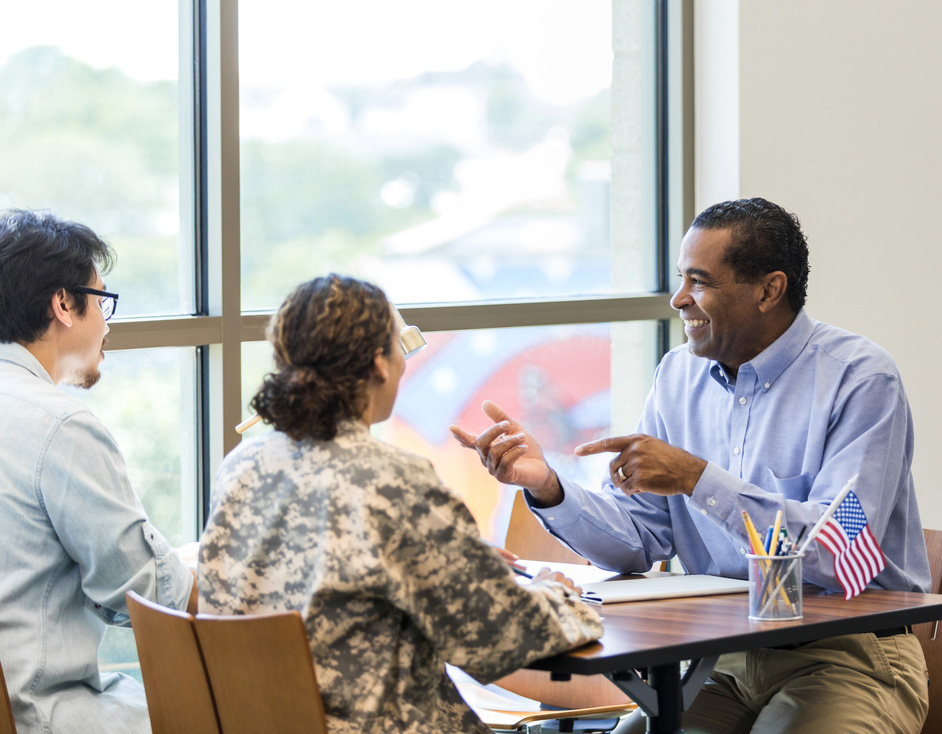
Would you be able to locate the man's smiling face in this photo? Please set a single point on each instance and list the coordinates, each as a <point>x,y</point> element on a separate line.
<point>721,316</point>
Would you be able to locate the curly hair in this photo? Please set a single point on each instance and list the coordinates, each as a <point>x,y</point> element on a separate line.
<point>41,254</point>
<point>764,238</point>
<point>325,337</point>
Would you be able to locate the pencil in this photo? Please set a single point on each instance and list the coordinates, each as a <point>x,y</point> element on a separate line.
<point>247,424</point>
<point>774,542</point>
<point>754,540</point>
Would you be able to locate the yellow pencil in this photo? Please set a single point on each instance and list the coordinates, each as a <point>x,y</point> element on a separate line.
<point>758,549</point>
<point>775,530</point>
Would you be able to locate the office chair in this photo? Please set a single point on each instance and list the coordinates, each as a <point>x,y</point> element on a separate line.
<point>528,539</point>
<point>930,639</point>
<point>7,725</point>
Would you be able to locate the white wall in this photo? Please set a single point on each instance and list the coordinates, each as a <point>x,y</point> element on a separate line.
<point>840,120</point>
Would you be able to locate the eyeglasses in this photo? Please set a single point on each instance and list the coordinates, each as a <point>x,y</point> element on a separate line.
<point>109,301</point>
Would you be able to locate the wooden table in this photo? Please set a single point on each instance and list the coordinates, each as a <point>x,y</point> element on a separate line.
<point>659,635</point>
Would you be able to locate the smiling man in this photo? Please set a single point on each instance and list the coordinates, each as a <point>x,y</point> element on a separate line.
<point>73,535</point>
<point>763,409</point>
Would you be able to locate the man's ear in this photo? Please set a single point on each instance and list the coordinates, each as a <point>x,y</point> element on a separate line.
<point>773,287</point>
<point>61,307</point>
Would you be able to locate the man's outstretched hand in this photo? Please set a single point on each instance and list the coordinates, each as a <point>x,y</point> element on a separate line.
<point>512,455</point>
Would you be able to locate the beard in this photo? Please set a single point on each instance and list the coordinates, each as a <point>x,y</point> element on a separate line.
<point>87,379</point>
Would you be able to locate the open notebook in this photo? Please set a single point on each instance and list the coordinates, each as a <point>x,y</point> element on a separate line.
<point>598,585</point>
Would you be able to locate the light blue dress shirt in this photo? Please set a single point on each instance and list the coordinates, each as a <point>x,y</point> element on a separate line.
<point>815,408</point>
<point>73,539</point>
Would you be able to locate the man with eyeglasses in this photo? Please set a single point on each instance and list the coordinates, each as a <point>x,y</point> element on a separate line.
<point>75,537</point>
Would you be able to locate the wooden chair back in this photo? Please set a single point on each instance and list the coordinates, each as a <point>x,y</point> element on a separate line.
<point>530,540</point>
<point>178,694</point>
<point>262,674</point>
<point>930,636</point>
<point>7,725</point>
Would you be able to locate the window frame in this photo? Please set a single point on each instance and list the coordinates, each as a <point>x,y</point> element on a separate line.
<point>218,328</point>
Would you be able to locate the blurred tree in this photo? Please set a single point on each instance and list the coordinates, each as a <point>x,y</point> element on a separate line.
<point>515,118</point>
<point>99,147</point>
<point>589,129</point>
<point>91,141</point>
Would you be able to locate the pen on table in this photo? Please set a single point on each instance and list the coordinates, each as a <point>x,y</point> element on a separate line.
<point>521,572</point>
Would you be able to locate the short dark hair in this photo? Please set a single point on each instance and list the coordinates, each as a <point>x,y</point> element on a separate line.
<point>325,337</point>
<point>39,255</point>
<point>764,238</point>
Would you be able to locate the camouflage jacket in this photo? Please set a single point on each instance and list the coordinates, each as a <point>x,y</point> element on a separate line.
<point>388,569</point>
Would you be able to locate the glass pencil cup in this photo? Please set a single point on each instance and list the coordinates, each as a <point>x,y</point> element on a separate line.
<point>774,587</point>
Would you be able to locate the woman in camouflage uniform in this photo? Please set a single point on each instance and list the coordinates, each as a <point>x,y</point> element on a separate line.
<point>383,561</point>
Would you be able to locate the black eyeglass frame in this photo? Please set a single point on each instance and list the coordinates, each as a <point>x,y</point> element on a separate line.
<point>95,292</point>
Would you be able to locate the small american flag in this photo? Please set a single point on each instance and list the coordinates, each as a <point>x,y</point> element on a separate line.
<point>857,555</point>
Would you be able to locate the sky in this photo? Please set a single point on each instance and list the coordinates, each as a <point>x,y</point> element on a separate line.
<point>563,47</point>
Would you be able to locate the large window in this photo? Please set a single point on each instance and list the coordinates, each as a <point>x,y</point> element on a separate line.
<point>462,157</point>
<point>466,158</point>
<point>498,167</point>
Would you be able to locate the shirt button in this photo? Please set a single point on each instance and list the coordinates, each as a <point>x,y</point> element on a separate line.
<point>742,550</point>
<point>703,512</point>
<point>551,517</point>
<point>736,451</point>
<point>712,502</point>
<point>768,385</point>
<point>742,401</point>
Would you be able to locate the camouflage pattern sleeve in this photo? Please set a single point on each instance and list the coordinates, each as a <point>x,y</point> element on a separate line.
<point>463,596</point>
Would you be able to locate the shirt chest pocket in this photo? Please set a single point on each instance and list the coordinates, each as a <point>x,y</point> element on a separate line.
<point>793,488</point>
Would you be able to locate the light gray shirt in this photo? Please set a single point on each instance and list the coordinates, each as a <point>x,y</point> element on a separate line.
<point>73,539</point>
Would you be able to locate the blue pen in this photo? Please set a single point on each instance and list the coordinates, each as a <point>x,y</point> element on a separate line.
<point>768,542</point>
<point>521,572</point>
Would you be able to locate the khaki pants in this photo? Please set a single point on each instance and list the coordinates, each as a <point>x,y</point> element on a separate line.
<point>841,685</point>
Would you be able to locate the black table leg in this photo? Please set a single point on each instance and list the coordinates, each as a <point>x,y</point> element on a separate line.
<point>665,695</point>
<point>665,680</point>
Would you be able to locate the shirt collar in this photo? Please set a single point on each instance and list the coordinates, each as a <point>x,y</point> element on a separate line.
<point>21,356</point>
<point>772,361</point>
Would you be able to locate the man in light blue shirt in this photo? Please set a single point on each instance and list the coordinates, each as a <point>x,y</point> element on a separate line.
<point>73,534</point>
<point>763,409</point>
